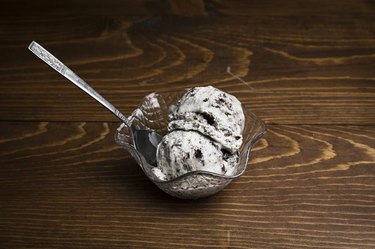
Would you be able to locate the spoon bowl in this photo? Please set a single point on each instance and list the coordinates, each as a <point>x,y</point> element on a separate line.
<point>141,133</point>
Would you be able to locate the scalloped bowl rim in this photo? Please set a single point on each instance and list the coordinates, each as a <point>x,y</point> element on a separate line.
<point>156,179</point>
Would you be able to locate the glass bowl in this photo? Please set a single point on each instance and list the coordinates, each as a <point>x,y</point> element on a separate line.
<point>152,114</point>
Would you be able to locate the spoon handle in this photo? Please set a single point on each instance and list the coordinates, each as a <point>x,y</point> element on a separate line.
<point>56,64</point>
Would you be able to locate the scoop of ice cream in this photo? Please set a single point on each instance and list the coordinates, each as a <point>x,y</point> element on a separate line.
<point>211,112</point>
<point>181,152</point>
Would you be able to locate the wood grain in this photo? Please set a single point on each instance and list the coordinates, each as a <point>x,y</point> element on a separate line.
<point>300,67</point>
<point>306,187</point>
<point>307,69</point>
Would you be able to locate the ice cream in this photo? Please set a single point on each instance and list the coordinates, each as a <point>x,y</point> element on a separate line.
<point>181,152</point>
<point>205,132</point>
<point>211,112</point>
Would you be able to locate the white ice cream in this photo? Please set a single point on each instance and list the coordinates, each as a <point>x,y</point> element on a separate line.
<point>211,112</point>
<point>205,134</point>
<point>181,152</point>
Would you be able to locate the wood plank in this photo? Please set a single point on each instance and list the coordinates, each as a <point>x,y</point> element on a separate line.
<point>307,69</point>
<point>24,8</point>
<point>68,185</point>
<point>300,65</point>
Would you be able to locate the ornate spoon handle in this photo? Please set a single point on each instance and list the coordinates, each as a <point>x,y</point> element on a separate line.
<point>56,64</point>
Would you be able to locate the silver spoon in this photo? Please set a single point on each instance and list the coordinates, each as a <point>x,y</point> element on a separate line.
<point>145,141</point>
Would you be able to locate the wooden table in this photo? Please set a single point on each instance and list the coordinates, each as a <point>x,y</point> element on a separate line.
<point>308,72</point>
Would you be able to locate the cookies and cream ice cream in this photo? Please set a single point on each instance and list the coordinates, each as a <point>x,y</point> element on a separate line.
<point>181,152</point>
<point>211,112</point>
<point>205,132</point>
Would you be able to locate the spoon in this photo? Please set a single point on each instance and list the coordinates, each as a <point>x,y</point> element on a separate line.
<point>145,141</point>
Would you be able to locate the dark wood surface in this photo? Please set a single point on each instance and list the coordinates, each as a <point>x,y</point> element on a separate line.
<point>308,72</point>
